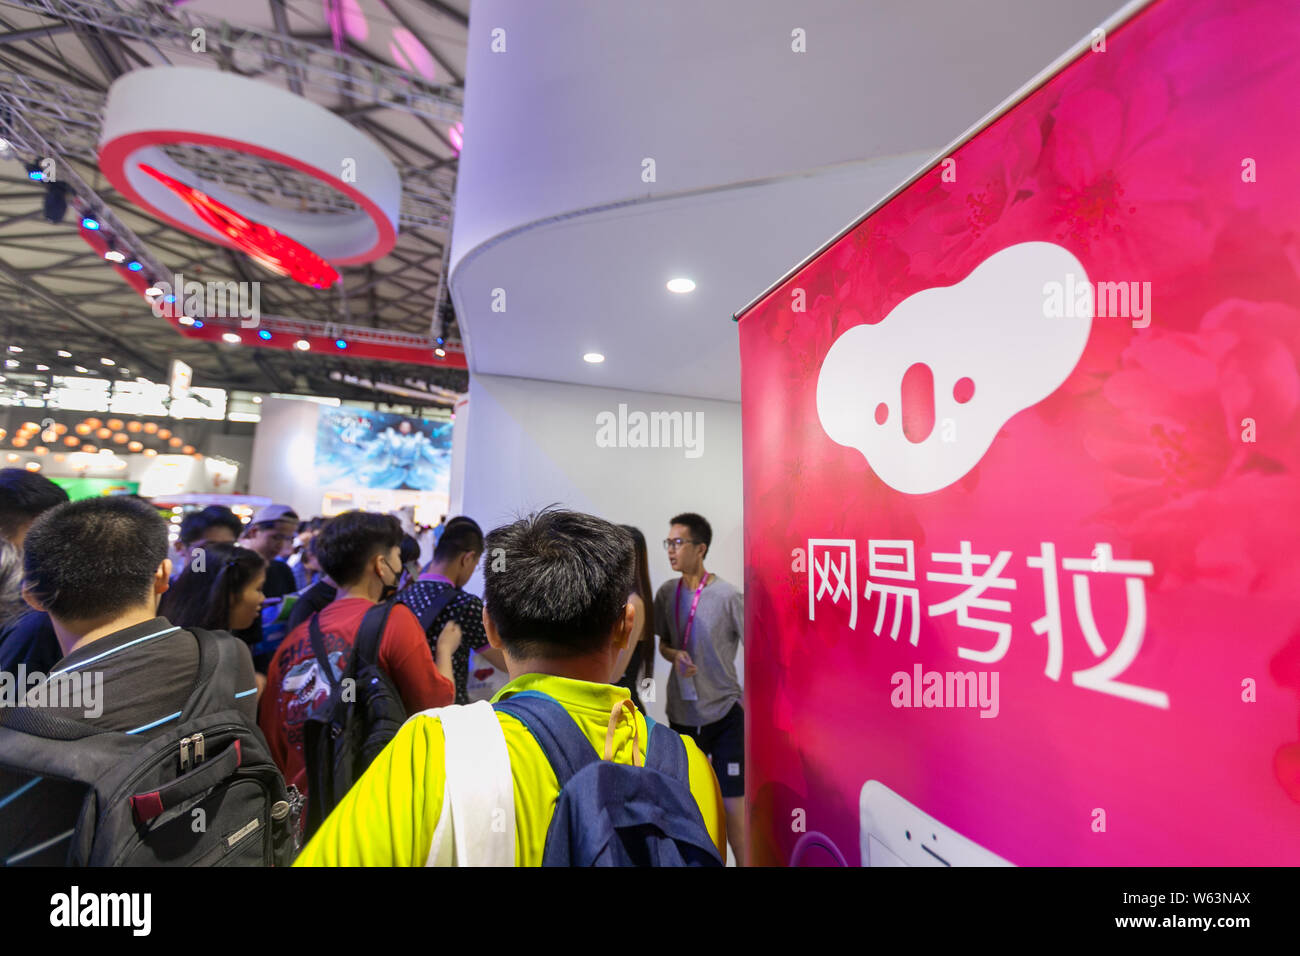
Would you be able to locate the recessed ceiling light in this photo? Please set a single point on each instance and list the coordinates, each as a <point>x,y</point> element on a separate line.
<point>186,320</point>
<point>42,368</point>
<point>440,352</point>
<point>153,290</point>
<point>302,345</point>
<point>81,368</point>
<point>114,256</point>
<point>15,348</point>
<point>64,353</point>
<point>595,358</point>
<point>107,361</point>
<point>681,285</point>
<point>231,337</point>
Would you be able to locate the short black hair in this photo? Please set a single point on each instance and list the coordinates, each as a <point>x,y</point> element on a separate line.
<point>701,530</point>
<point>90,558</point>
<point>410,549</point>
<point>200,596</point>
<point>196,524</point>
<point>459,536</point>
<point>348,543</point>
<point>561,585</point>
<point>25,496</point>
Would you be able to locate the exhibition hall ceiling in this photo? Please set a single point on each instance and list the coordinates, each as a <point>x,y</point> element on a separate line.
<point>58,59</point>
<point>771,126</point>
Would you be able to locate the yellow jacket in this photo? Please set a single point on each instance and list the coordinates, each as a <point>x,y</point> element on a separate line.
<point>389,816</point>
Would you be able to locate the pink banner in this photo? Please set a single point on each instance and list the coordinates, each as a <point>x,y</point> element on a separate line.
<point>1022,481</point>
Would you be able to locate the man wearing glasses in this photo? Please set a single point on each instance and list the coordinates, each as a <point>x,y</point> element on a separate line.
<point>701,622</point>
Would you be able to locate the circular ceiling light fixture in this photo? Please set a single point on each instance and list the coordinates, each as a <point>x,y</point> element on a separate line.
<point>151,108</point>
<point>302,345</point>
<point>681,285</point>
<point>595,358</point>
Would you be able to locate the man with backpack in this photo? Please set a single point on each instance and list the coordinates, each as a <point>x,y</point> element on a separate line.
<point>139,717</point>
<point>367,640</point>
<point>522,781</point>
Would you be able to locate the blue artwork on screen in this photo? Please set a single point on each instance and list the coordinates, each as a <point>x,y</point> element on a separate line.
<point>359,447</point>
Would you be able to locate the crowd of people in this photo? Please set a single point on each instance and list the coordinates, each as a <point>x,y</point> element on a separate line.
<point>411,722</point>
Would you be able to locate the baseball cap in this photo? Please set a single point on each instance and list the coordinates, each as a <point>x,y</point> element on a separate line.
<point>273,513</point>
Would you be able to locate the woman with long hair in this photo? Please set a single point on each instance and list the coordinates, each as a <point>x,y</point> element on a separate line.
<point>641,663</point>
<point>219,590</point>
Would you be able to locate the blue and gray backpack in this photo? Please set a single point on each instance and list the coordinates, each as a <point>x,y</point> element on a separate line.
<point>612,814</point>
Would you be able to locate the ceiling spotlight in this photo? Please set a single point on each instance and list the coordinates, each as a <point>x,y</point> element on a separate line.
<point>35,173</point>
<point>231,337</point>
<point>107,361</point>
<point>198,323</point>
<point>257,399</point>
<point>186,320</point>
<point>89,222</point>
<point>81,368</point>
<point>153,290</point>
<point>12,363</point>
<point>64,353</point>
<point>264,335</point>
<point>595,358</point>
<point>681,285</point>
<point>340,343</point>
<point>302,345</point>
<point>42,368</point>
<point>114,256</point>
<point>441,353</point>
<point>134,266</point>
<point>15,348</point>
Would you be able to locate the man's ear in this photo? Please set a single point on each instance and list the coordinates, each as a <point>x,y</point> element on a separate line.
<point>162,578</point>
<point>30,597</point>
<point>493,637</point>
<point>623,629</point>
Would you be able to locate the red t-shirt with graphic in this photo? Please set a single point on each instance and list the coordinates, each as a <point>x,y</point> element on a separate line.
<point>295,684</point>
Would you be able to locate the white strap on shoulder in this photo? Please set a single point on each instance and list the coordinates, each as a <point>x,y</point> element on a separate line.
<point>477,825</point>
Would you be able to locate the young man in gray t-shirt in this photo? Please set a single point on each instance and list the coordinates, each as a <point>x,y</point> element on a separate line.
<point>701,622</point>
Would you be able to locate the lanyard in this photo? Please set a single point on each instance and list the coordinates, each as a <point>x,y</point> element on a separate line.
<point>690,620</point>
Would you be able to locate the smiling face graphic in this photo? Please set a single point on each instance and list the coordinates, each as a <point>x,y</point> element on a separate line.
<point>923,393</point>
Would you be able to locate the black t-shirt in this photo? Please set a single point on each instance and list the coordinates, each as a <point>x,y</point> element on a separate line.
<point>313,599</point>
<point>279,579</point>
<point>29,639</point>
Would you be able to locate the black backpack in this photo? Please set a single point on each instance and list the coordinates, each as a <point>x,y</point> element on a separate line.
<point>202,791</point>
<point>343,736</point>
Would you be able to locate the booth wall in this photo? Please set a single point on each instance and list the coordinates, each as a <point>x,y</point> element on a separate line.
<point>284,449</point>
<point>530,444</point>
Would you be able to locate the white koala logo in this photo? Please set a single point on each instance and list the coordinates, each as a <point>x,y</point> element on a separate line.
<point>970,355</point>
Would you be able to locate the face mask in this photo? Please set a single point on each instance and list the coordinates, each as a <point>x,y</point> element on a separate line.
<point>389,589</point>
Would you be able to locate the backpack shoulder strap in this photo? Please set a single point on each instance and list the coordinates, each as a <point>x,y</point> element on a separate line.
<point>214,687</point>
<point>477,784</point>
<point>370,635</point>
<point>667,753</point>
<point>564,744</point>
<point>434,607</point>
<point>318,648</point>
